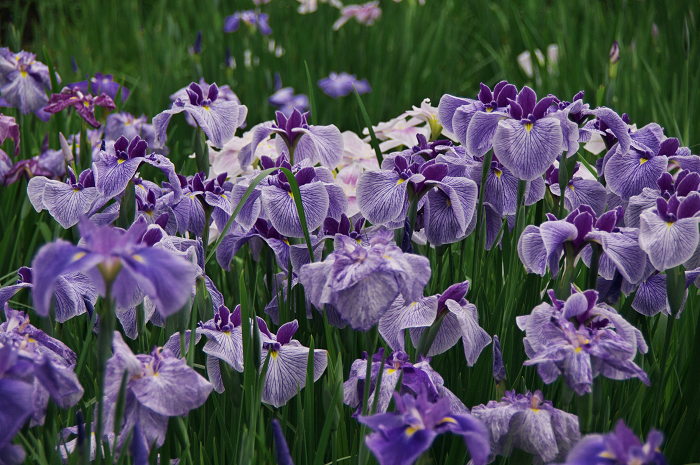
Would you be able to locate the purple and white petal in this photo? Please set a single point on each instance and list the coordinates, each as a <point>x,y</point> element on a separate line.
<point>282,211</point>
<point>320,144</point>
<point>381,196</point>
<point>668,244</point>
<point>286,373</point>
<point>528,149</point>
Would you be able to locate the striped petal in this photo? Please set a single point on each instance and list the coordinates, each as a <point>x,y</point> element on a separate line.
<point>282,211</point>
<point>381,196</point>
<point>482,131</point>
<point>528,150</point>
<point>667,244</point>
<point>286,373</point>
<point>66,204</point>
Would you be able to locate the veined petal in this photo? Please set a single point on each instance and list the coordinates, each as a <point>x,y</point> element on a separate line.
<point>667,244</point>
<point>260,133</point>
<point>35,192</point>
<point>482,130</point>
<point>627,175</point>
<point>161,120</point>
<point>220,120</point>
<point>66,204</point>
<point>624,251</point>
<point>474,338</point>
<point>381,196</point>
<point>227,346</point>
<point>462,117</point>
<point>286,372</point>
<point>364,303</point>
<point>554,235</point>
<point>448,213</point>
<point>586,192</point>
<point>113,175</point>
<point>323,144</point>
<point>250,212</point>
<point>447,107</point>
<point>282,211</point>
<point>447,336</point>
<point>528,150</point>
<point>337,201</point>
<point>402,315</point>
<point>532,252</point>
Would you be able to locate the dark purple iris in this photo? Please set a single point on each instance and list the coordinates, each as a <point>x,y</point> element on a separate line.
<point>430,150</point>
<point>125,150</point>
<point>685,183</point>
<point>296,120</point>
<point>225,321</point>
<point>86,179</point>
<point>502,93</point>
<point>430,171</point>
<point>194,92</point>
<point>331,227</point>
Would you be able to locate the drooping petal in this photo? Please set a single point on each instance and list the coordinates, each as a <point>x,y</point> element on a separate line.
<point>482,130</point>
<point>66,204</point>
<point>402,315</point>
<point>667,244</point>
<point>532,252</point>
<point>449,211</point>
<point>624,251</point>
<point>282,211</point>
<point>323,144</point>
<point>528,149</point>
<point>114,174</point>
<point>286,373</point>
<point>554,234</point>
<point>474,338</point>
<point>628,174</point>
<point>447,107</point>
<point>381,196</point>
<point>220,120</point>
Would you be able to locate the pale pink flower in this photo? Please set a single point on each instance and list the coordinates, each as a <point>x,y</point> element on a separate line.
<point>364,14</point>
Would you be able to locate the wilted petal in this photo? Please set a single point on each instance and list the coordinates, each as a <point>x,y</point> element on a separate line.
<point>528,150</point>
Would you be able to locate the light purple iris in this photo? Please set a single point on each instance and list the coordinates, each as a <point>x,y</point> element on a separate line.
<point>159,385</point>
<point>460,320</point>
<point>225,94</point>
<point>49,163</point>
<point>578,191</point>
<point>218,118</point>
<point>30,373</point>
<point>101,83</point>
<point>23,81</point>
<point>383,197</point>
<point>252,18</point>
<point>669,232</point>
<point>529,423</point>
<point>580,340</point>
<point>83,103</point>
<point>125,124</point>
<point>73,293</point>
<point>117,256</point>
<point>285,100</point>
<point>66,201</point>
<point>541,248</point>
<point>286,370</point>
<point>628,173</point>
<point>400,437</point>
<point>415,379</point>
<point>298,140</point>
<point>619,447</point>
<point>651,298</point>
<point>339,85</point>
<point>361,283</point>
<point>684,184</point>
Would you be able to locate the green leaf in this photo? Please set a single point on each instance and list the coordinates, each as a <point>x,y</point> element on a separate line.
<point>373,137</point>
<point>312,100</point>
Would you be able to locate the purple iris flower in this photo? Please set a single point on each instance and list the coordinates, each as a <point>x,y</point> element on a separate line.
<point>456,113</point>
<point>669,232</point>
<point>49,163</point>
<point>344,227</point>
<point>541,247</point>
<point>628,173</point>
<point>459,320</point>
<point>619,447</point>
<point>529,423</point>
<point>650,297</point>
<point>285,100</point>
<point>31,371</point>
<point>125,124</point>
<point>317,144</point>
<point>225,94</point>
<point>580,339</point>
<point>282,450</point>
<point>99,84</point>
<point>68,201</point>
<point>218,118</point>
<point>578,191</point>
<point>111,254</point>
<point>339,85</point>
<point>73,293</point>
<point>286,371</point>
<point>23,81</point>
<point>9,128</point>
<point>154,210</point>
<point>415,378</point>
<point>361,283</point>
<point>159,385</point>
<point>252,18</point>
<point>383,197</point>
<point>84,104</point>
<point>684,184</point>
<point>400,437</point>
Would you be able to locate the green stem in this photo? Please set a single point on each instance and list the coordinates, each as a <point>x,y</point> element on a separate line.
<point>104,346</point>
<point>428,336</point>
<point>584,408</point>
<point>485,167</point>
<point>592,280</point>
<point>563,290</point>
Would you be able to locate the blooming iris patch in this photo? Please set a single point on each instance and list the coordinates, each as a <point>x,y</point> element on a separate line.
<point>400,437</point>
<point>361,283</point>
<point>101,83</point>
<point>252,18</point>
